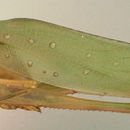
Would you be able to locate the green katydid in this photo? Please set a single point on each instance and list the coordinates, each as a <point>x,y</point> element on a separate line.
<point>41,63</point>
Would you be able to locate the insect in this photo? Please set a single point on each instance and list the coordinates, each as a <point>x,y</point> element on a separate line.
<point>41,63</point>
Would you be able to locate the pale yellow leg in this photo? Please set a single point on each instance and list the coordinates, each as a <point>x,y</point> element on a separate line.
<point>18,83</point>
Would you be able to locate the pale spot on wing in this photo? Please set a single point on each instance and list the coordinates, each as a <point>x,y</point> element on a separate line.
<point>86,72</point>
<point>52,45</point>
<point>6,56</point>
<point>30,63</point>
<point>7,36</point>
<point>31,40</point>
<point>88,55</point>
<point>82,36</point>
<point>55,74</point>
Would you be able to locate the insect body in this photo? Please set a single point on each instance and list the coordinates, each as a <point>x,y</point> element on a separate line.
<point>64,58</point>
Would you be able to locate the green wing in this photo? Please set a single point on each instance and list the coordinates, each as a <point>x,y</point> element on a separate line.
<point>66,58</point>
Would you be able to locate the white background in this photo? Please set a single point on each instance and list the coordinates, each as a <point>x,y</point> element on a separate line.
<point>109,18</point>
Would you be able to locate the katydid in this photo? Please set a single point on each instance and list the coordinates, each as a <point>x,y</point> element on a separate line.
<point>42,62</point>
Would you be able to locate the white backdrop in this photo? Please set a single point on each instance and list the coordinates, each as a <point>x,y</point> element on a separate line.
<point>109,18</point>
